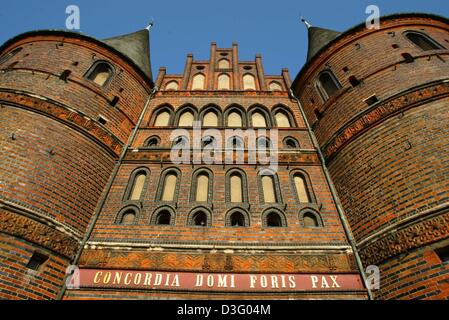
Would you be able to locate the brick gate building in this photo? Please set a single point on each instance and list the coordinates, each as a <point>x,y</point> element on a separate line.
<point>159,188</point>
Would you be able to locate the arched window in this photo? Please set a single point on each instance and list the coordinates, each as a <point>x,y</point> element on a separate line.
<point>210,119</point>
<point>258,120</point>
<point>186,119</point>
<point>162,118</point>
<point>237,218</point>
<point>275,86</point>
<point>152,142</point>
<point>249,82</point>
<point>274,218</point>
<point>327,84</point>
<point>235,119</point>
<point>223,64</point>
<point>202,188</point>
<point>168,186</point>
<point>282,120</point>
<point>291,143</point>
<point>198,82</point>
<point>139,182</point>
<point>224,82</point>
<point>310,219</point>
<point>199,219</point>
<point>301,189</point>
<point>136,185</point>
<point>100,73</point>
<point>423,41</point>
<point>162,217</point>
<point>128,217</point>
<point>172,85</point>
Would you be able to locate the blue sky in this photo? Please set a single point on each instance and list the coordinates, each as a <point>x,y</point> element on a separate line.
<point>271,28</point>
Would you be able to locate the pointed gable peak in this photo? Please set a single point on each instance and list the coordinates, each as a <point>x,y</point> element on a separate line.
<point>136,46</point>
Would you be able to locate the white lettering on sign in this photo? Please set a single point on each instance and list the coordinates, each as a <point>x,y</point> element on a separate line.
<point>218,282</point>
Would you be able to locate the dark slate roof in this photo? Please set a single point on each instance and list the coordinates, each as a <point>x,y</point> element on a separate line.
<point>135,46</point>
<point>318,39</point>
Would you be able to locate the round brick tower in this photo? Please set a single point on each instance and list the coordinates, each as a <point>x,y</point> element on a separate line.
<point>377,101</point>
<point>68,104</point>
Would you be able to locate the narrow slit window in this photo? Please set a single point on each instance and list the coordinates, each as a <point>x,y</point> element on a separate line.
<point>301,189</point>
<point>138,185</point>
<point>202,188</point>
<point>236,188</point>
<point>269,194</point>
<point>169,189</point>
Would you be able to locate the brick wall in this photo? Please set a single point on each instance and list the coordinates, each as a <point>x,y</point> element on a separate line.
<point>388,160</point>
<point>55,156</point>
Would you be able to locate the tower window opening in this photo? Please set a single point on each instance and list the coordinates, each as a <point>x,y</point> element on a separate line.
<point>408,58</point>
<point>443,254</point>
<point>101,73</point>
<point>327,84</point>
<point>163,218</point>
<point>274,220</point>
<point>371,100</point>
<point>354,81</point>
<point>65,75</point>
<point>237,219</point>
<point>423,41</point>
<point>36,261</point>
<point>199,219</point>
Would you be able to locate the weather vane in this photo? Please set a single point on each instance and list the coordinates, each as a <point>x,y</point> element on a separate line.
<point>150,25</point>
<point>309,25</point>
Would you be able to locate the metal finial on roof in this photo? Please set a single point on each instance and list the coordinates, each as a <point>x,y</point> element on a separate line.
<point>307,23</point>
<point>150,25</point>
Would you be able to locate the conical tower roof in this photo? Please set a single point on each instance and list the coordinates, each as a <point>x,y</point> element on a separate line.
<point>318,39</point>
<point>135,46</point>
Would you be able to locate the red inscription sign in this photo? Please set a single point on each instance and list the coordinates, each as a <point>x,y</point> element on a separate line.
<point>226,282</point>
